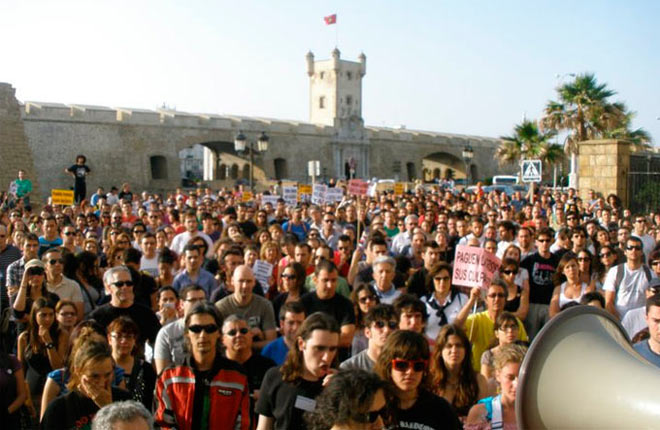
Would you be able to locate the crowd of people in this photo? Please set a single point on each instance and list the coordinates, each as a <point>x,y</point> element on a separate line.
<point>202,309</point>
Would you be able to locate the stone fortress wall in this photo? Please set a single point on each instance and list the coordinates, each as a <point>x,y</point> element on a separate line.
<point>142,146</point>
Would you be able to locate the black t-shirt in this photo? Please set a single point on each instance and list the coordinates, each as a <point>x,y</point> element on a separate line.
<point>540,272</point>
<point>417,283</point>
<point>286,402</point>
<point>125,195</point>
<point>80,171</point>
<point>430,412</point>
<point>338,307</point>
<point>255,369</point>
<point>144,317</point>
<point>75,411</point>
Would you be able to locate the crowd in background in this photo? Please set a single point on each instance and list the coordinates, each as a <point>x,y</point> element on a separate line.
<point>203,309</point>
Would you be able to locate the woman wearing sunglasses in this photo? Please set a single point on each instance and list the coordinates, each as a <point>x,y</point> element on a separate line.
<point>364,298</point>
<point>506,333</point>
<point>452,375</point>
<point>352,400</point>
<point>404,363</point>
<point>293,283</point>
<point>499,412</point>
<point>517,299</point>
<point>607,258</point>
<point>445,302</point>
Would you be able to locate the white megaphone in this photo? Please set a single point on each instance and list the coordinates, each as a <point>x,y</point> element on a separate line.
<point>581,372</point>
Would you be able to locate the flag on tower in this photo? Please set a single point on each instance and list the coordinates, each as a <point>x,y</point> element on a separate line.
<point>330,19</point>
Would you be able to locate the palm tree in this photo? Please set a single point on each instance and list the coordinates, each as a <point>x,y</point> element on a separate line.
<point>584,111</point>
<point>528,141</point>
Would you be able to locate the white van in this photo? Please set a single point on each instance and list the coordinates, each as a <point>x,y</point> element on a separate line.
<point>505,180</point>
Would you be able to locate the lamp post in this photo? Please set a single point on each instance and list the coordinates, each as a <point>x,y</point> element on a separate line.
<point>468,154</point>
<point>241,145</point>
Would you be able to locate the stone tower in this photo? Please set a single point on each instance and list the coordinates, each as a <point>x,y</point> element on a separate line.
<point>14,150</point>
<point>335,89</point>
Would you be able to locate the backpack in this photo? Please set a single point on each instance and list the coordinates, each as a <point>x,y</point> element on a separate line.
<point>620,271</point>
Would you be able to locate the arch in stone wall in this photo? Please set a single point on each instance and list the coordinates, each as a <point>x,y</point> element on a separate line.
<point>434,164</point>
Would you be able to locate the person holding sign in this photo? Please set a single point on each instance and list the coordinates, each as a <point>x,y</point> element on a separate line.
<point>480,327</point>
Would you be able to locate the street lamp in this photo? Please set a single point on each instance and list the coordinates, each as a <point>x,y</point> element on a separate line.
<point>241,145</point>
<point>468,154</point>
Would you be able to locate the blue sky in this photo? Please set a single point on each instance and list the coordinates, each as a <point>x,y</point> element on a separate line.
<point>472,67</point>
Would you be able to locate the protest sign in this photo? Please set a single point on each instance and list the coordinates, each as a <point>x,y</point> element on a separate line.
<point>62,197</point>
<point>334,194</point>
<point>304,192</point>
<point>399,188</point>
<point>318,194</point>
<point>262,273</point>
<point>358,187</point>
<point>474,267</point>
<point>290,195</point>
<point>246,196</point>
<point>269,199</point>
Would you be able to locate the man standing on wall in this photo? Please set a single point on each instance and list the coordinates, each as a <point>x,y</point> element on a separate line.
<point>79,171</point>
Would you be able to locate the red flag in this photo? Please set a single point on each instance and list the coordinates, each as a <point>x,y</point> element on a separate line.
<point>330,19</point>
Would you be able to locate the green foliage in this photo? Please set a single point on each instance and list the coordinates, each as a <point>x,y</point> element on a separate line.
<point>648,197</point>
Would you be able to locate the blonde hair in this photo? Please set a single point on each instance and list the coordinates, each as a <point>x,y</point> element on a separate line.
<point>512,353</point>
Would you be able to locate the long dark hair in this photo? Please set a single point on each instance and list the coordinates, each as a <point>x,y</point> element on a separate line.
<point>467,392</point>
<point>33,328</point>
<point>292,369</point>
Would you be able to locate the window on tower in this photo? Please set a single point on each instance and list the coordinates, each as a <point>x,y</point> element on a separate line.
<point>321,102</point>
<point>349,76</point>
<point>349,100</point>
<point>321,75</point>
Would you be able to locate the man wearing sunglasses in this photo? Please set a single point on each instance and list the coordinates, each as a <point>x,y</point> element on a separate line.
<point>541,266</point>
<point>380,322</point>
<point>480,327</point>
<point>169,348</point>
<point>56,282</point>
<point>208,390</point>
<point>625,284</point>
<point>119,285</point>
<point>640,230</point>
<point>237,340</point>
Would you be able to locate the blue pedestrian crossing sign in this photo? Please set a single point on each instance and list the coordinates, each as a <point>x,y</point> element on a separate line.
<point>531,171</point>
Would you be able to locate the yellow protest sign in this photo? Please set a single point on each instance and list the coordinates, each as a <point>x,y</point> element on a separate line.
<point>247,196</point>
<point>304,190</point>
<point>61,197</point>
<point>399,188</point>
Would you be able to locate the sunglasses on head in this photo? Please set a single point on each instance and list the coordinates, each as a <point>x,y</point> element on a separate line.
<point>401,365</point>
<point>208,328</point>
<point>233,332</point>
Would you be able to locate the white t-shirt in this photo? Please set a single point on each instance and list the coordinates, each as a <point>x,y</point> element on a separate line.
<point>647,242</point>
<point>181,240</point>
<point>631,293</point>
<point>149,265</point>
<point>634,321</point>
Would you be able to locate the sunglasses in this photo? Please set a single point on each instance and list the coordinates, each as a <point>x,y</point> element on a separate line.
<point>497,295</point>
<point>393,325</point>
<point>370,417</point>
<point>543,240</point>
<point>584,259</point>
<point>510,272</point>
<point>401,365</point>
<point>284,276</point>
<point>208,328</point>
<point>635,248</point>
<point>366,299</point>
<point>36,271</point>
<point>605,255</point>
<point>54,261</point>
<point>233,332</point>
<point>69,233</point>
<point>120,284</point>
<point>442,278</point>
